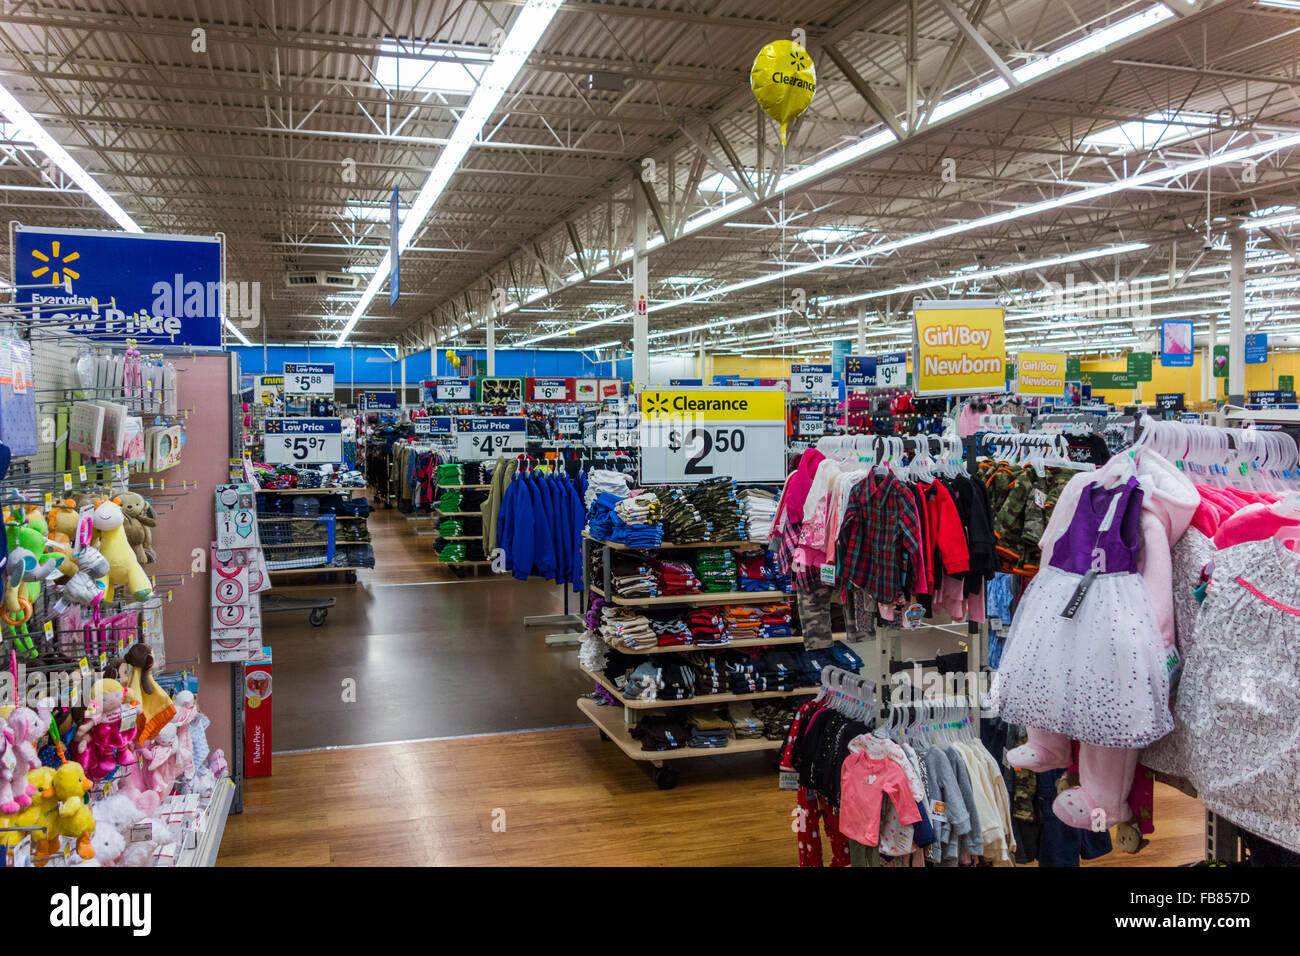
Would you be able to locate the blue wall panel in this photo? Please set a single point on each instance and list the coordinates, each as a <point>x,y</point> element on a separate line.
<point>351,365</point>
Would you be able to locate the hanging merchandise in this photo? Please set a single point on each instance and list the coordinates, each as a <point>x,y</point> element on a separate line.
<point>783,80</point>
<point>17,397</point>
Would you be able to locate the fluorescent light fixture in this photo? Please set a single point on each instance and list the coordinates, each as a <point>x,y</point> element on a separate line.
<point>825,234</point>
<point>1280,4</point>
<point>1281,219</point>
<point>1162,128</point>
<point>373,212</point>
<point>524,35</point>
<point>396,68</point>
<point>26,126</point>
<point>686,280</point>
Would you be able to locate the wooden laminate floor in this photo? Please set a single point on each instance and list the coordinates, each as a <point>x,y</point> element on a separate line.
<point>436,656</point>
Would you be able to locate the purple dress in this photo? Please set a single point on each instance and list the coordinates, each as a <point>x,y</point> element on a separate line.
<point>1101,675</point>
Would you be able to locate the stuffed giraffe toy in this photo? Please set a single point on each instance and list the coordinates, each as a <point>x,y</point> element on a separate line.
<point>110,540</point>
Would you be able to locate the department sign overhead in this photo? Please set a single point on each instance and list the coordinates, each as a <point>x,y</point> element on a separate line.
<point>159,290</point>
<point>959,347</point>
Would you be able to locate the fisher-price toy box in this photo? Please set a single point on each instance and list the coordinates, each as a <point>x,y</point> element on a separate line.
<point>257,715</point>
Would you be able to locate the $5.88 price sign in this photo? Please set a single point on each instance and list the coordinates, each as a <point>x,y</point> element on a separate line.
<point>816,380</point>
<point>303,441</point>
<point>303,378</point>
<point>692,434</point>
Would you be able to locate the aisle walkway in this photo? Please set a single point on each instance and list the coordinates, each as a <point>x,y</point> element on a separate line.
<point>432,655</point>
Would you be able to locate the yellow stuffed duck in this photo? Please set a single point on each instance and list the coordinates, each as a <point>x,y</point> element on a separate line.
<point>74,818</point>
<point>35,815</point>
<point>110,540</point>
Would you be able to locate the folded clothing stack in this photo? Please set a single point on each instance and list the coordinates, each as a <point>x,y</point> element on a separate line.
<point>744,721</point>
<point>708,629</point>
<point>671,631</point>
<point>756,571</point>
<point>593,652</point>
<point>604,480</point>
<point>676,577</point>
<point>451,528</point>
<point>775,716</point>
<point>775,620</point>
<point>744,621</point>
<point>837,655</point>
<point>683,523</point>
<point>449,502</point>
<point>452,552</point>
<point>642,509</point>
<point>605,524</point>
<point>451,473</point>
<point>642,683</point>
<point>309,479</point>
<point>306,506</point>
<point>676,678</point>
<point>638,584</point>
<point>716,499</point>
<point>667,732</point>
<point>783,670</point>
<point>626,628</point>
<point>710,677</point>
<point>716,568</point>
<point>708,729</point>
<point>743,676</point>
<point>759,508</point>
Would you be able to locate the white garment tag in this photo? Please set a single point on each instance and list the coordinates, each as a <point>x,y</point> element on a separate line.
<point>1040,498</point>
<point>828,574</point>
<point>938,808</point>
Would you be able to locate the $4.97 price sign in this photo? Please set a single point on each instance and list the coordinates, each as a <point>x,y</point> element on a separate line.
<point>304,378</point>
<point>692,434</point>
<point>486,436</point>
<point>303,441</point>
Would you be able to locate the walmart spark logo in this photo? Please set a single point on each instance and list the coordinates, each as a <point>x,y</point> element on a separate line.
<point>656,404</point>
<point>273,426</point>
<point>855,365</point>
<point>55,265</point>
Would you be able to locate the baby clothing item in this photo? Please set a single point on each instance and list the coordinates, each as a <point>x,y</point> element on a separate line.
<point>865,781</point>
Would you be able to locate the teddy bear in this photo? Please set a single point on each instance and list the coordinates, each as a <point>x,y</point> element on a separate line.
<point>139,524</point>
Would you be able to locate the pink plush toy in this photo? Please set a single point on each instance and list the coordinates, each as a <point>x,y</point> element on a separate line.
<point>101,745</point>
<point>8,762</point>
<point>26,727</point>
<point>186,711</point>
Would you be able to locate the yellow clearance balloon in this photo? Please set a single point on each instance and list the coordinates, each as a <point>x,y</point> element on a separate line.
<point>783,81</point>
<point>449,354</point>
<point>455,361</point>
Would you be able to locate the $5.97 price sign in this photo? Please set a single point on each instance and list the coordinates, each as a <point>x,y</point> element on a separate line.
<point>692,434</point>
<point>303,441</point>
<point>486,436</point>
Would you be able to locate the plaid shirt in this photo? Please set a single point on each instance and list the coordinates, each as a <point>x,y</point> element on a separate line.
<point>879,537</point>
<point>786,544</point>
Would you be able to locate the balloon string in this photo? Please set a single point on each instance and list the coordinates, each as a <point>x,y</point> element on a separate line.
<point>13,670</point>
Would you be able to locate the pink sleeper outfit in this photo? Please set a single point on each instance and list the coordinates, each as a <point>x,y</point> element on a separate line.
<point>864,783</point>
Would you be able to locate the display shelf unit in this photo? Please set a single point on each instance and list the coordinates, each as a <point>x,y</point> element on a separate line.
<point>309,491</point>
<point>704,597</point>
<point>743,642</point>
<point>611,726</point>
<point>205,850</point>
<point>616,723</point>
<point>668,545</point>
<point>459,514</point>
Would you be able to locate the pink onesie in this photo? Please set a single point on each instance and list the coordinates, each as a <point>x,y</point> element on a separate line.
<point>864,781</point>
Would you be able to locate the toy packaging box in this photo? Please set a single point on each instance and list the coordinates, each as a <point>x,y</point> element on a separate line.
<point>257,715</point>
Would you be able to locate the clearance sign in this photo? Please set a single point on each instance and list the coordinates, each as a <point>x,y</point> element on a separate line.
<point>693,433</point>
<point>958,347</point>
<point>1041,373</point>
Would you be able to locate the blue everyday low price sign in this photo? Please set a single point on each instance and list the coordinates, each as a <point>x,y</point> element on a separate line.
<point>303,441</point>
<point>860,370</point>
<point>110,286</point>
<point>1257,348</point>
<point>377,401</point>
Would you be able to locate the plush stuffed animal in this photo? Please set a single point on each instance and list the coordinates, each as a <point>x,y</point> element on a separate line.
<point>86,583</point>
<point>114,816</point>
<point>41,782</point>
<point>8,761</point>
<point>74,817</point>
<point>154,773</point>
<point>140,522</point>
<point>186,713</point>
<point>110,540</point>
<point>28,727</point>
<point>100,744</point>
<point>156,708</point>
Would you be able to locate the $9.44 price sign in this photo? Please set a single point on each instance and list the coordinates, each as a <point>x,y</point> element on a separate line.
<point>693,434</point>
<point>303,441</point>
<point>486,436</point>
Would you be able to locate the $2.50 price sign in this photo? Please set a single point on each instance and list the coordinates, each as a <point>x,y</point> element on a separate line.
<point>303,441</point>
<point>306,378</point>
<point>486,436</point>
<point>692,434</point>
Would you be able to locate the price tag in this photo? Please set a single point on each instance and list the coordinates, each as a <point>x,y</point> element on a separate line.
<point>49,630</point>
<point>551,390</point>
<point>81,473</point>
<point>691,434</point>
<point>49,501</point>
<point>303,441</point>
<point>67,481</point>
<point>308,378</point>
<point>891,370</point>
<point>816,380</point>
<point>453,390</point>
<point>486,436</point>
<point>83,665</point>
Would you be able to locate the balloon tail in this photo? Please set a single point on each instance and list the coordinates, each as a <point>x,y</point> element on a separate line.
<point>782,134</point>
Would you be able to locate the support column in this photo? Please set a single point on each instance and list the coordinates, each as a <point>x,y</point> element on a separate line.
<point>491,346</point>
<point>1209,385</point>
<point>1237,316</point>
<point>704,363</point>
<point>401,363</point>
<point>640,294</point>
<point>862,329</point>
